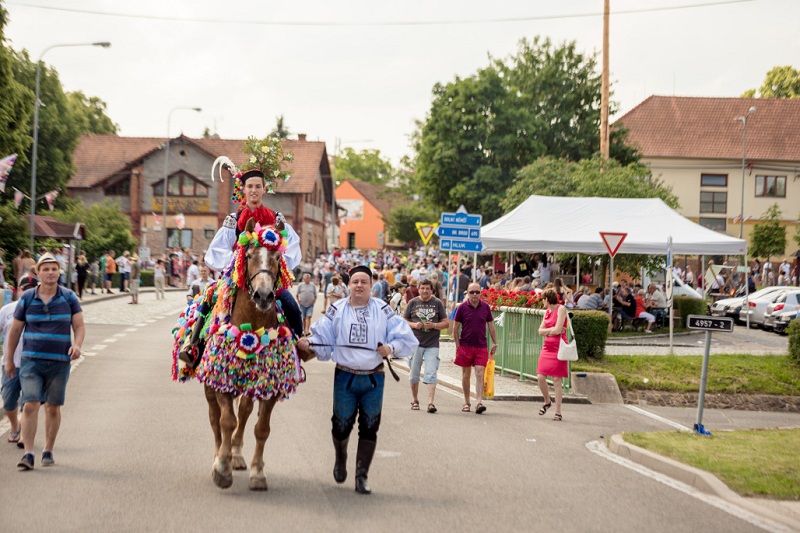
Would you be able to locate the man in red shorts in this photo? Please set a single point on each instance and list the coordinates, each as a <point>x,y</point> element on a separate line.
<point>471,320</point>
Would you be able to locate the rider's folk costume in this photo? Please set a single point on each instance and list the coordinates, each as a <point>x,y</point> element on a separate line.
<point>350,337</point>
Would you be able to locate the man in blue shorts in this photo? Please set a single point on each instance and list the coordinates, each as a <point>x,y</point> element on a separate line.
<point>47,314</point>
<point>307,297</point>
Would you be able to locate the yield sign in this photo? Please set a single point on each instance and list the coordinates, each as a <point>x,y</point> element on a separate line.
<point>613,241</point>
<point>426,230</point>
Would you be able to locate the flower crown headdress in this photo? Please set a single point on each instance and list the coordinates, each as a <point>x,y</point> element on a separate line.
<point>271,239</point>
<point>266,161</point>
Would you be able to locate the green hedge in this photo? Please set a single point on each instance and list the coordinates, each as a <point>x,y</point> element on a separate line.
<point>685,306</point>
<point>591,332</point>
<point>794,339</point>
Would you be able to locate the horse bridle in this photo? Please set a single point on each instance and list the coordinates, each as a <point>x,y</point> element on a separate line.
<point>248,285</point>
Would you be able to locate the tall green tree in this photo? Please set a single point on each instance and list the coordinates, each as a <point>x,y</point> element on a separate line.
<point>90,114</point>
<point>14,234</point>
<point>780,82</point>
<point>107,227</point>
<point>769,236</point>
<point>401,221</point>
<point>15,108</point>
<point>281,131</point>
<point>480,130</point>
<point>366,165</point>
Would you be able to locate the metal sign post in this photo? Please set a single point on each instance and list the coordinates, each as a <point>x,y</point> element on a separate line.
<point>612,241</point>
<point>707,324</point>
<point>460,232</point>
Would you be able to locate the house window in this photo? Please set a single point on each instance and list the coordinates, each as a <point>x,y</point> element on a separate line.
<point>714,180</point>
<point>179,237</point>
<point>771,186</point>
<point>717,224</point>
<point>713,202</point>
<point>120,188</point>
<point>181,185</point>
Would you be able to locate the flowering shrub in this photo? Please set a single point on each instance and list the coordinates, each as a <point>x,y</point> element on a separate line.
<point>497,298</point>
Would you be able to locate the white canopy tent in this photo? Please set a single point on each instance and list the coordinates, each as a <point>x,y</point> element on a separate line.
<point>566,224</point>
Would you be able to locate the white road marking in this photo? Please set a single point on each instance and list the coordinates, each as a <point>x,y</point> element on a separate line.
<point>89,354</point>
<point>76,363</point>
<point>654,416</point>
<point>600,449</point>
<point>120,334</point>
<point>98,347</point>
<point>531,440</point>
<point>109,341</point>
<point>141,325</point>
<point>131,330</point>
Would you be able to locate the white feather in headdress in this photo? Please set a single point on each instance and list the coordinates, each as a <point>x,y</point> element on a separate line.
<point>223,162</point>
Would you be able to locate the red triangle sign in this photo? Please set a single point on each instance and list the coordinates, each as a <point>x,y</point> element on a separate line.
<point>613,241</point>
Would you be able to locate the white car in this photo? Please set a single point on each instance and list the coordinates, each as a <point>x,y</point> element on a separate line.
<point>732,306</point>
<point>790,301</point>
<point>759,306</point>
<point>782,319</point>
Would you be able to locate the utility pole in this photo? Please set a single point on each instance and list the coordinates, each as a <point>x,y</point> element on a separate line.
<point>604,140</point>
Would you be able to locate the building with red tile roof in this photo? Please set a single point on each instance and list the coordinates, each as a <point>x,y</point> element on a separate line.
<point>365,206</point>
<point>130,171</point>
<point>696,145</point>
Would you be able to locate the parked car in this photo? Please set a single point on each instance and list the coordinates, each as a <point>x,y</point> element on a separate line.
<point>731,307</point>
<point>782,320</point>
<point>790,301</point>
<point>758,307</point>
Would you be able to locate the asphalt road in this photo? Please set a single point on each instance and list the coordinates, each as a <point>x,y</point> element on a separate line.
<point>134,454</point>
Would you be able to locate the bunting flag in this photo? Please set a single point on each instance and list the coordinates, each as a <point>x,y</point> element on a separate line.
<point>51,198</point>
<point>18,196</point>
<point>157,217</point>
<point>5,167</point>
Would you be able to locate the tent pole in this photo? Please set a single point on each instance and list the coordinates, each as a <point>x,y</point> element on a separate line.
<point>578,273</point>
<point>474,267</point>
<point>746,305</point>
<point>449,281</point>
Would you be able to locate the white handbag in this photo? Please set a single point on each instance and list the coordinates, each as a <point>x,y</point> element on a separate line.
<point>568,351</point>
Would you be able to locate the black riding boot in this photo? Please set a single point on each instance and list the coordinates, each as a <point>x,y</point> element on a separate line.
<point>291,311</point>
<point>340,468</point>
<point>366,450</point>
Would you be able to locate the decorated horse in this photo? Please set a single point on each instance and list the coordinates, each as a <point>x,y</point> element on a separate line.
<point>248,351</point>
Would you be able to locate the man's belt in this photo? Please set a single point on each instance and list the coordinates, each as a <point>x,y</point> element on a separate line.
<point>377,370</point>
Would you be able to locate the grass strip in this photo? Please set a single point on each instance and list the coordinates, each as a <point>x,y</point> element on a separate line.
<point>732,373</point>
<point>761,462</point>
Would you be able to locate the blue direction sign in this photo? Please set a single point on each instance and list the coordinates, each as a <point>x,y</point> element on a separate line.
<point>461,219</point>
<point>459,232</point>
<point>457,245</point>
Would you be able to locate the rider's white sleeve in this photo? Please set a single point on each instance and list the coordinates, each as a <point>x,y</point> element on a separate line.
<point>293,253</point>
<point>220,251</point>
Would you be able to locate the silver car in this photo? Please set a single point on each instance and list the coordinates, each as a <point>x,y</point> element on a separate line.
<point>758,307</point>
<point>731,307</point>
<point>782,320</point>
<point>790,301</point>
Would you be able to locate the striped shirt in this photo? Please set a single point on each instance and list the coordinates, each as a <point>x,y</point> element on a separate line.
<point>47,327</point>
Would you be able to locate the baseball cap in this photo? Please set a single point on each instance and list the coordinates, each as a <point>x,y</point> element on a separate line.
<point>27,282</point>
<point>46,257</point>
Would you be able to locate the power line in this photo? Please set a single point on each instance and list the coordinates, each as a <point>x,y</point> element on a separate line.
<point>250,22</point>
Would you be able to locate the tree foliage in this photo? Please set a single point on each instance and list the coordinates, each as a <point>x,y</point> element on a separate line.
<point>15,108</point>
<point>281,131</point>
<point>90,114</point>
<point>480,130</point>
<point>366,165</point>
<point>14,234</point>
<point>401,221</point>
<point>769,236</point>
<point>780,82</point>
<point>107,227</point>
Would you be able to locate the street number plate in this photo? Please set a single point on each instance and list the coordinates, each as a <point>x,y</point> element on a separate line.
<point>710,323</point>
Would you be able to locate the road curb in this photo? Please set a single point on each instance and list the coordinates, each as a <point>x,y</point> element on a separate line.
<point>701,480</point>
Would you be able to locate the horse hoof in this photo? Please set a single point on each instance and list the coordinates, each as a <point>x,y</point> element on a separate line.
<point>221,480</point>
<point>238,463</point>
<point>258,483</point>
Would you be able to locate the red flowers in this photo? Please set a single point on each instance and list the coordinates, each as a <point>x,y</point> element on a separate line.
<point>497,298</point>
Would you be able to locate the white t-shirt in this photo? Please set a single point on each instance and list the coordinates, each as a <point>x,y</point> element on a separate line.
<point>6,319</point>
<point>192,274</point>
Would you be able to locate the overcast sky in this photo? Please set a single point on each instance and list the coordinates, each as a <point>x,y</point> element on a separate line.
<point>337,70</point>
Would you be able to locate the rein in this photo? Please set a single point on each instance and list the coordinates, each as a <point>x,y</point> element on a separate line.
<point>248,285</point>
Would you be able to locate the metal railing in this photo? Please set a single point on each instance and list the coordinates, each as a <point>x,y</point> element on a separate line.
<point>519,343</point>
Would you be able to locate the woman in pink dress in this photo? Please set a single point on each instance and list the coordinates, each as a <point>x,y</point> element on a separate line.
<point>553,329</point>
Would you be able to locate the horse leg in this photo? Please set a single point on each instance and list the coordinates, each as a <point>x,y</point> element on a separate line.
<point>222,473</point>
<point>245,408</point>
<point>213,417</point>
<point>258,480</point>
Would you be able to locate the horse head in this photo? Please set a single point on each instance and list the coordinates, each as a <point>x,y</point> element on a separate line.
<point>263,263</point>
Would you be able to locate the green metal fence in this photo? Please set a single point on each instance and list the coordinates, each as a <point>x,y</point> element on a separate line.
<point>519,343</point>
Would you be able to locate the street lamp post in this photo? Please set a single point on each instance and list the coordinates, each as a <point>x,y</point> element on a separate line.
<point>166,169</point>
<point>36,127</point>
<point>744,154</point>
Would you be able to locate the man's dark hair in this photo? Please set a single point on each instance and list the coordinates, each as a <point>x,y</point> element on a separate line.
<point>599,290</point>
<point>526,280</point>
<point>427,282</point>
<point>374,275</point>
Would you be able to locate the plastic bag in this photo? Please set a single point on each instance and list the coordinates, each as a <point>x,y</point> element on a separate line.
<point>488,379</point>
